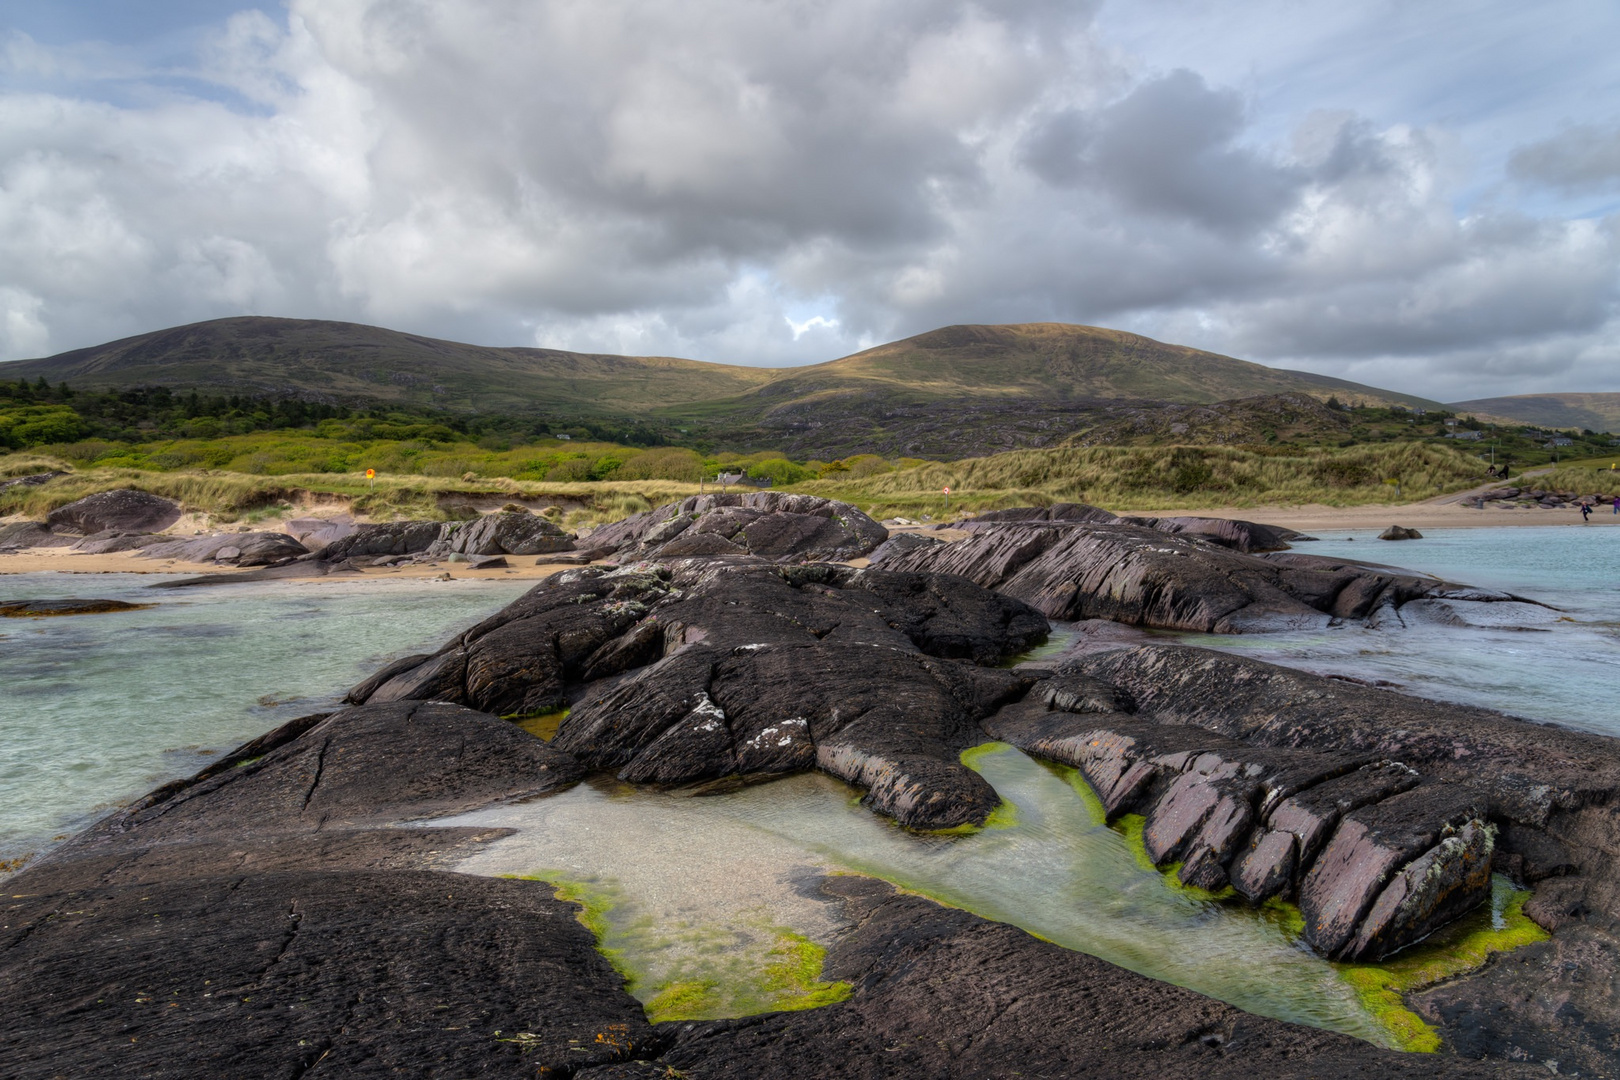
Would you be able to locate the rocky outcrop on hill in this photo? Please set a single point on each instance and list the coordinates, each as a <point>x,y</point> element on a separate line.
<point>750,669</point>
<point>1146,577</point>
<point>124,510</point>
<point>768,524</point>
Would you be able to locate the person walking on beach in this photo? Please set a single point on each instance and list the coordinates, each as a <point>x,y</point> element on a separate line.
<point>1586,511</point>
<point>1617,504</point>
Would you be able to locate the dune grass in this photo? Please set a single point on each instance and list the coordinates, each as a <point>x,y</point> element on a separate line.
<point>1132,478</point>
<point>229,496</point>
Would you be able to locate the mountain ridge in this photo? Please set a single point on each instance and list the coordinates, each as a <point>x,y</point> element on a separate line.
<point>1575,409</point>
<point>1052,363</point>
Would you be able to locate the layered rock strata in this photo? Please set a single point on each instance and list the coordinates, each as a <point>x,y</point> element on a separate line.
<point>769,524</point>
<point>1146,577</point>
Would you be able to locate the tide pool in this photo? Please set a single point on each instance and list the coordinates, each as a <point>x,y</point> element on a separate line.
<point>98,709</point>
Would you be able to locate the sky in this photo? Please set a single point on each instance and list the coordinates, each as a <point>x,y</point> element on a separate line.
<point>1419,196</point>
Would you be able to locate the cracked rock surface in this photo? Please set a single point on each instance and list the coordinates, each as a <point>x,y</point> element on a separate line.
<point>702,669</point>
<point>769,524</point>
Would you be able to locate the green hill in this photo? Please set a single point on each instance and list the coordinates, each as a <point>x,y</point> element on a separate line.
<point>1037,361</point>
<point>946,393</point>
<point>346,361</point>
<point>1596,412</point>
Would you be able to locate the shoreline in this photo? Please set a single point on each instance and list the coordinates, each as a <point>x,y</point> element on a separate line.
<point>55,560</point>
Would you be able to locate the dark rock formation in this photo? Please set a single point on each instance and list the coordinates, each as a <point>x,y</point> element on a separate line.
<point>1245,536</point>
<point>769,524</point>
<point>30,534</point>
<point>30,609</point>
<point>506,533</point>
<point>220,927</point>
<point>1072,512</point>
<point>747,668</point>
<point>1383,814</point>
<point>240,549</point>
<point>1400,532</point>
<point>899,544</point>
<point>387,538</point>
<point>125,510</point>
<point>1028,1009</point>
<point>1145,577</point>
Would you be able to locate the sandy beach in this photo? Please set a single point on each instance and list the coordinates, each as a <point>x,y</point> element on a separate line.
<point>60,560</point>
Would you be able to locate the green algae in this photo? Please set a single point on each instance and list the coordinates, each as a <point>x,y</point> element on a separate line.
<point>1004,816</point>
<point>680,970</point>
<point>542,725</point>
<point>1381,988</point>
<point>1464,946</point>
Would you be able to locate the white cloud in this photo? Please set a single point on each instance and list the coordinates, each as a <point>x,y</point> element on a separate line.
<point>782,183</point>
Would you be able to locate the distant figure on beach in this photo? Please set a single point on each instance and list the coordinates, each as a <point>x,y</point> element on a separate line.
<point>1617,504</point>
<point>1586,511</point>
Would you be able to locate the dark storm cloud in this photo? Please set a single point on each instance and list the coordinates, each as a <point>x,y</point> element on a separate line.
<point>1582,158</point>
<point>1167,148</point>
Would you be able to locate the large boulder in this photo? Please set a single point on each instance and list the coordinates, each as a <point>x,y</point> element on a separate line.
<point>238,549</point>
<point>386,538</point>
<point>124,510</point>
<point>505,533</point>
<point>699,669</point>
<point>769,524</point>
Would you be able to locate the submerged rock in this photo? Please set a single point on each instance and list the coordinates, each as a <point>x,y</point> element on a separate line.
<point>32,609</point>
<point>1400,532</point>
<point>124,510</point>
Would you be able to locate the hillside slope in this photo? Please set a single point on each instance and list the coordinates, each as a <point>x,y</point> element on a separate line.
<point>342,361</point>
<point>1038,361</point>
<point>1034,384</point>
<point>1598,412</point>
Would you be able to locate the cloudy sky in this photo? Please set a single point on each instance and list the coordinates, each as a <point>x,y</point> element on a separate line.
<point>1424,196</point>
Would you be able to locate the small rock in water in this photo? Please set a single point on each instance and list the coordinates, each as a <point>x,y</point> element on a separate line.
<point>1400,532</point>
<point>35,609</point>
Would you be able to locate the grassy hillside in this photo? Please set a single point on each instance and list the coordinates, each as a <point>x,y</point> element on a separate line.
<point>337,361</point>
<point>1595,412</point>
<point>1139,477</point>
<point>832,409</point>
<point>1038,361</point>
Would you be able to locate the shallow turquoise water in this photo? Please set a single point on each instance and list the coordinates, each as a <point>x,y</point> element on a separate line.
<point>97,709</point>
<point>1562,667</point>
<point>685,871</point>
